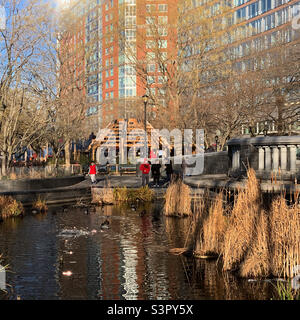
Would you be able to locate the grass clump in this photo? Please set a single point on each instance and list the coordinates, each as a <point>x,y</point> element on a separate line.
<point>239,234</point>
<point>257,260</point>
<point>214,228</point>
<point>251,240</point>
<point>40,205</point>
<point>284,238</point>
<point>9,207</point>
<point>143,194</point>
<point>178,200</point>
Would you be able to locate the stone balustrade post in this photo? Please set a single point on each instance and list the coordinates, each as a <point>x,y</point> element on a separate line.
<point>283,158</point>
<point>293,157</point>
<point>261,158</point>
<point>268,159</point>
<point>236,160</point>
<point>275,158</point>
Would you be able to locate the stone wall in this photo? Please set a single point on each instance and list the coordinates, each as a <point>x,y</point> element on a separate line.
<point>38,184</point>
<point>214,163</point>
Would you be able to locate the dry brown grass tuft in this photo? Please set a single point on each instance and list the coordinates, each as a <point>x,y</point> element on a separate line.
<point>40,204</point>
<point>9,207</point>
<point>13,176</point>
<point>239,234</point>
<point>284,238</point>
<point>178,200</point>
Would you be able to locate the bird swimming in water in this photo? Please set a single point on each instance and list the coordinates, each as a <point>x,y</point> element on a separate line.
<point>105,224</point>
<point>143,213</point>
<point>86,211</point>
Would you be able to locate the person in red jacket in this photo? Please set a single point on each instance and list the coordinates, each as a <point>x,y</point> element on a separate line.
<point>145,168</point>
<point>93,172</point>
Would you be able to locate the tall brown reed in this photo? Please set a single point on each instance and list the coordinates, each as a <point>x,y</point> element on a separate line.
<point>239,234</point>
<point>178,200</point>
<point>214,228</point>
<point>284,238</point>
<point>257,260</point>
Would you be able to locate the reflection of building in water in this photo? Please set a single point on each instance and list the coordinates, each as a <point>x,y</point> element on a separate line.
<point>127,261</point>
<point>129,273</point>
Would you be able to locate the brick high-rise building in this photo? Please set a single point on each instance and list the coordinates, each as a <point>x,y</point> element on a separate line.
<point>117,35</point>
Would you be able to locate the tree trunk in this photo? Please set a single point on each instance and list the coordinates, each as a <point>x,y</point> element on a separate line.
<point>3,164</point>
<point>280,122</point>
<point>75,152</point>
<point>67,154</point>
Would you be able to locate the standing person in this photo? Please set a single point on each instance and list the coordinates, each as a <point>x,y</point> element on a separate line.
<point>93,172</point>
<point>155,169</point>
<point>145,168</point>
<point>169,170</point>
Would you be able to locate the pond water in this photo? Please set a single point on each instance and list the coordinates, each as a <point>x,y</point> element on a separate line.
<point>66,254</point>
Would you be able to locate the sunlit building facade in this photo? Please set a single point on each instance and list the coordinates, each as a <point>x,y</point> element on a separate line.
<point>259,27</point>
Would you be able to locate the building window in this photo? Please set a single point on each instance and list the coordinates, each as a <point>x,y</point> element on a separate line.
<point>151,67</point>
<point>163,8</point>
<point>150,8</point>
<point>162,20</point>
<point>266,5</point>
<point>150,80</point>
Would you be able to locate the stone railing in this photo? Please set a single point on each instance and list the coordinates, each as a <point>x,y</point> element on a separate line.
<point>264,154</point>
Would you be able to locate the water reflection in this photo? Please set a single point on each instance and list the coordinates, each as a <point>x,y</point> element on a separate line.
<point>67,255</point>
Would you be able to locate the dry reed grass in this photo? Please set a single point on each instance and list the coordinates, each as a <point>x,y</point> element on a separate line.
<point>239,234</point>
<point>9,207</point>
<point>284,238</point>
<point>214,228</point>
<point>254,242</point>
<point>178,200</point>
<point>257,260</point>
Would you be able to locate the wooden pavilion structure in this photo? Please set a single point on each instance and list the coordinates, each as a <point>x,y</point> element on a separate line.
<point>133,131</point>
